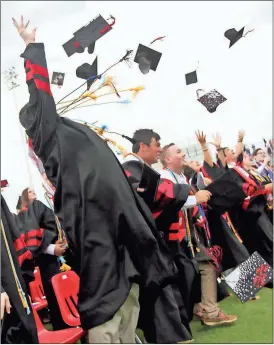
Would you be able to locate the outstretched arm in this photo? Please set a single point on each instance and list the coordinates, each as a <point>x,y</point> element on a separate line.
<point>217,140</point>
<point>201,137</point>
<point>240,146</point>
<point>38,116</point>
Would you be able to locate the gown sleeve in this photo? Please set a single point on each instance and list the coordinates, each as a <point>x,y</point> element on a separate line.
<point>38,116</point>
<point>47,222</point>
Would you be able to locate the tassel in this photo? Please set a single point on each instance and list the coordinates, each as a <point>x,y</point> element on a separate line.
<point>136,90</point>
<point>65,268</point>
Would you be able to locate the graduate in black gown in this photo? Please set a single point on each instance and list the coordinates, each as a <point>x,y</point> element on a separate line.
<point>222,230</point>
<point>251,219</point>
<point>108,229</point>
<point>168,201</point>
<point>17,326</point>
<point>37,222</point>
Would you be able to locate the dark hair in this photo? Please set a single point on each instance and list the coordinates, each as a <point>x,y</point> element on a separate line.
<point>143,136</point>
<point>256,152</point>
<point>163,153</point>
<point>25,197</point>
<point>189,172</point>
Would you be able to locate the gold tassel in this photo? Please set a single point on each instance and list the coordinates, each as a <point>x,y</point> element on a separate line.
<point>65,268</point>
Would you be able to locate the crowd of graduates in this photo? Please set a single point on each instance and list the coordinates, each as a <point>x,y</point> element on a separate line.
<point>152,249</point>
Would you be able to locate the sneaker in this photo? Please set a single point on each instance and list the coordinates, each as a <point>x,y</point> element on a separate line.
<point>198,314</point>
<point>255,298</point>
<point>220,319</point>
<point>186,341</point>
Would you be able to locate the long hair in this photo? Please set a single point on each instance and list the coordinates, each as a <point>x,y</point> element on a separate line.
<point>25,198</point>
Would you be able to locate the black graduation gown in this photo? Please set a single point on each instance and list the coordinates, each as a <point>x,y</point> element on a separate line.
<point>253,224</point>
<point>187,270</point>
<point>234,251</point>
<point>107,228</point>
<point>37,223</point>
<point>17,327</point>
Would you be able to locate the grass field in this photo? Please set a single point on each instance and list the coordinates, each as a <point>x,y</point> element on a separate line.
<point>254,324</point>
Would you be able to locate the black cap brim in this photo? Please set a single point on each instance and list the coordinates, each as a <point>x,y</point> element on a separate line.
<point>72,46</point>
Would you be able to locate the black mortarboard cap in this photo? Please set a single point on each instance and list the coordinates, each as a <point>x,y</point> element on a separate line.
<point>147,58</point>
<point>211,100</point>
<point>249,277</point>
<point>214,172</point>
<point>57,78</point>
<point>19,203</point>
<point>72,46</point>
<point>226,193</point>
<point>233,35</point>
<point>86,71</point>
<point>191,78</point>
<point>91,32</point>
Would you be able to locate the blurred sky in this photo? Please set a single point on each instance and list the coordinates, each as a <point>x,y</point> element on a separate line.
<point>194,32</point>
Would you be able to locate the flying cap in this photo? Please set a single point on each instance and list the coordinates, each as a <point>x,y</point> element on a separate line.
<point>249,277</point>
<point>211,100</point>
<point>57,78</point>
<point>91,32</point>
<point>86,71</point>
<point>4,183</point>
<point>72,46</point>
<point>147,58</point>
<point>233,35</point>
<point>191,78</point>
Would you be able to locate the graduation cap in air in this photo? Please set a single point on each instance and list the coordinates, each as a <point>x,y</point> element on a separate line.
<point>233,35</point>
<point>57,78</point>
<point>211,100</point>
<point>249,277</point>
<point>92,32</point>
<point>19,203</point>
<point>147,58</point>
<point>4,183</point>
<point>226,193</point>
<point>191,78</point>
<point>87,71</point>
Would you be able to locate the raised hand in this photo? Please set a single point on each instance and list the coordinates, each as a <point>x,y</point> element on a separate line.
<point>217,139</point>
<point>201,137</point>
<point>28,37</point>
<point>241,135</point>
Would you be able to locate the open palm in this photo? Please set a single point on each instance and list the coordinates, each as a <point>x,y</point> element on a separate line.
<point>28,37</point>
<point>201,137</point>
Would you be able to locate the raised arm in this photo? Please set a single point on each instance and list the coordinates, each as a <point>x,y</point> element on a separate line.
<point>217,141</point>
<point>38,116</point>
<point>240,145</point>
<point>201,137</point>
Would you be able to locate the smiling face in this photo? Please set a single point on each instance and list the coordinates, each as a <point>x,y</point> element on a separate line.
<point>230,155</point>
<point>174,158</point>
<point>150,153</point>
<point>31,194</point>
<point>260,155</point>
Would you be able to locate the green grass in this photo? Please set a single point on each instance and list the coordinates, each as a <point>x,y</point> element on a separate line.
<point>254,324</point>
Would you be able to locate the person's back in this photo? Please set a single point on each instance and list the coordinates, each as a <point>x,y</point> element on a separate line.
<point>112,236</point>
